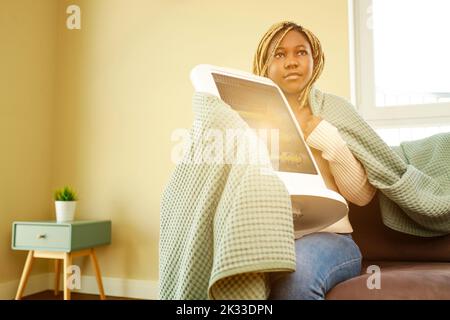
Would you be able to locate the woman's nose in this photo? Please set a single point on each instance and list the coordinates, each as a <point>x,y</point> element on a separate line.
<point>291,62</point>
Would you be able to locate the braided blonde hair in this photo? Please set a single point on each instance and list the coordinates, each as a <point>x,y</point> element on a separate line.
<point>276,32</point>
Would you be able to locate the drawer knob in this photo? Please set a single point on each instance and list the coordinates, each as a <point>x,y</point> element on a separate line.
<point>41,236</point>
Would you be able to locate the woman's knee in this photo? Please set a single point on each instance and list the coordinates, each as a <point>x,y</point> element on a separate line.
<point>322,246</point>
<point>323,260</point>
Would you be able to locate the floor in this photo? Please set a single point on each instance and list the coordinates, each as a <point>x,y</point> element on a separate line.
<point>49,295</point>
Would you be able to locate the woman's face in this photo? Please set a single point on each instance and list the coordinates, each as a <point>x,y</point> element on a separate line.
<point>292,63</point>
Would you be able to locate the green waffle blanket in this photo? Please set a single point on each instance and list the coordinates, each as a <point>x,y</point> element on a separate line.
<point>225,227</point>
<point>413,179</point>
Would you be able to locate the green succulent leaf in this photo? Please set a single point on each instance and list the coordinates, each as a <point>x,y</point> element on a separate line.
<point>65,194</point>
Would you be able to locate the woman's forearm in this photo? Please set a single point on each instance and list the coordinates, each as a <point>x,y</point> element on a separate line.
<point>349,174</point>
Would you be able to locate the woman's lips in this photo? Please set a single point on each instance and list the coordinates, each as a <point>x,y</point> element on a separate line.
<point>292,77</point>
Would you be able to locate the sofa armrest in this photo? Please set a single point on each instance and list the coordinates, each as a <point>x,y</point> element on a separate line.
<point>378,242</point>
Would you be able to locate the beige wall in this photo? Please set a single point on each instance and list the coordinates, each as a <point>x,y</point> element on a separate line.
<point>122,86</point>
<point>27,97</point>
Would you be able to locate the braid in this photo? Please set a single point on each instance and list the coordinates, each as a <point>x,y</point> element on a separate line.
<point>275,34</point>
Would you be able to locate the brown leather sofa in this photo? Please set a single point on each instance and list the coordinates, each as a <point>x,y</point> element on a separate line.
<point>410,267</point>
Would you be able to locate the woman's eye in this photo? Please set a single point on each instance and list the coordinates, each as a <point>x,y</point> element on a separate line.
<point>281,54</point>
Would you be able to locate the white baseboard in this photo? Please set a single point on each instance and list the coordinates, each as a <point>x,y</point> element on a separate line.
<point>118,287</point>
<point>114,287</point>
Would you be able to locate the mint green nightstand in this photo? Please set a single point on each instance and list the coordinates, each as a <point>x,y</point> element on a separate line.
<point>60,241</point>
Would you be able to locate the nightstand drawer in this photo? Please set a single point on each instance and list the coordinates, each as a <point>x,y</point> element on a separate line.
<point>60,236</point>
<point>41,236</point>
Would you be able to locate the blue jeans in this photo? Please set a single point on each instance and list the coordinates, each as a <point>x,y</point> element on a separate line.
<point>323,260</point>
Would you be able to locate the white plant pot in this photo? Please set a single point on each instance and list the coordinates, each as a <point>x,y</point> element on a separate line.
<point>65,210</point>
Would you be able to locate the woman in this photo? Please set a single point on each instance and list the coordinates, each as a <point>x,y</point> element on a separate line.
<point>292,57</point>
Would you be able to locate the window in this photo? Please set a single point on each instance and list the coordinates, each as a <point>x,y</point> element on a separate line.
<point>402,62</point>
<point>393,136</point>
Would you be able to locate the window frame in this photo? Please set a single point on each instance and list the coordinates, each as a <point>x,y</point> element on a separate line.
<point>363,80</point>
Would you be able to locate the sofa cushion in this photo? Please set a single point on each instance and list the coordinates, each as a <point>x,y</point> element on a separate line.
<point>398,280</point>
<point>378,242</point>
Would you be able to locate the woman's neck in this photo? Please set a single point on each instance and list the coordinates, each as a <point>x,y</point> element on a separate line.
<point>295,104</point>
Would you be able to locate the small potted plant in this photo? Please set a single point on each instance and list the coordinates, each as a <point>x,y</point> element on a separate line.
<point>65,204</point>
